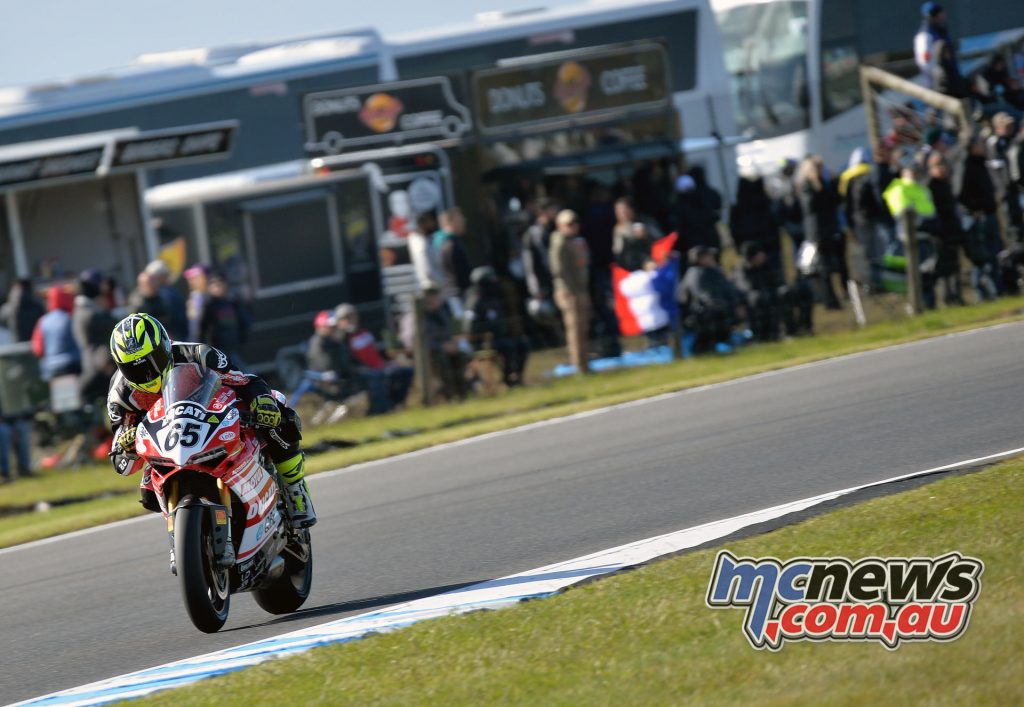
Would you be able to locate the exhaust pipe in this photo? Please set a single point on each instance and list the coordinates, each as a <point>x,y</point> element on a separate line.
<point>275,570</point>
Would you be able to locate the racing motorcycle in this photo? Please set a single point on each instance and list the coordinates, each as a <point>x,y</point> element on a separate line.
<point>227,520</point>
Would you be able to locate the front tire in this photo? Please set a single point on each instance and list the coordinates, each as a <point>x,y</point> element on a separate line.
<point>204,586</point>
<point>289,591</point>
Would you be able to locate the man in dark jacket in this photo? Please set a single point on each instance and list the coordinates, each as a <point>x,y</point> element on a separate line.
<point>487,324</point>
<point>761,287</point>
<point>819,200</point>
<point>948,231</point>
<point>447,360</point>
<point>91,324</point>
<point>536,241</point>
<point>224,323</point>
<point>751,219</point>
<point>173,300</point>
<point>146,297</point>
<point>709,303</point>
<point>1006,191</point>
<point>977,194</point>
<point>21,311</point>
<point>452,258</point>
<point>696,213</point>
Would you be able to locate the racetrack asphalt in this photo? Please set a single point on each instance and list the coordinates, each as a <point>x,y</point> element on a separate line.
<point>91,606</point>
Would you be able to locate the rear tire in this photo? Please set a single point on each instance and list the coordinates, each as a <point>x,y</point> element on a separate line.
<point>289,591</point>
<point>204,586</point>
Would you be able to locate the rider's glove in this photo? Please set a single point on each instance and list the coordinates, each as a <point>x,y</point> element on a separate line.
<point>125,440</point>
<point>265,411</point>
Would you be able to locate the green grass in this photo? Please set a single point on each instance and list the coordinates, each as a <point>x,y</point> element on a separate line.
<point>646,637</point>
<point>24,527</point>
<point>544,400</point>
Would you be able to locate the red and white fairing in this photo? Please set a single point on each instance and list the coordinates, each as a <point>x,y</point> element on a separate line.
<point>195,426</point>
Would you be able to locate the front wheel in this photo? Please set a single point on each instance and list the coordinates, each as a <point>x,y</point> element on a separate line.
<point>204,586</point>
<point>289,591</point>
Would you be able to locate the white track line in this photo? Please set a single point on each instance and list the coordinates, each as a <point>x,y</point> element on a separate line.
<point>322,476</point>
<point>493,594</point>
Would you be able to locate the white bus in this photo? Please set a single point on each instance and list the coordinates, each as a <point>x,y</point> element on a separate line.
<point>687,28</point>
<point>793,65</point>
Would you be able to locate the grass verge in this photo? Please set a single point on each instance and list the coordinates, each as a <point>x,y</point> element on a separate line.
<point>645,637</point>
<point>416,428</point>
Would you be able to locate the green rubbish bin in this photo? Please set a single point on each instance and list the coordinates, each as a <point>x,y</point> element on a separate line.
<point>21,388</point>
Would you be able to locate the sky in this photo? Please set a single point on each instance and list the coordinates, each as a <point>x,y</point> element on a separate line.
<point>44,40</point>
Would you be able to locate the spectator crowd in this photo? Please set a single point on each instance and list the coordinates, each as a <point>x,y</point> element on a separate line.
<point>473,328</point>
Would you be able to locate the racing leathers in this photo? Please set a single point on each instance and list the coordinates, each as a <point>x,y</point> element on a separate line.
<point>127,405</point>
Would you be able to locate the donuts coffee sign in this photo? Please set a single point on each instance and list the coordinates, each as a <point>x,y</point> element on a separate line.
<point>404,111</point>
<point>585,84</point>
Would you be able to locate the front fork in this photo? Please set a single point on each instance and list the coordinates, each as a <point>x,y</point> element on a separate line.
<point>220,517</point>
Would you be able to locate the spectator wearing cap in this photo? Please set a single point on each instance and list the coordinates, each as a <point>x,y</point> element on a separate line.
<point>569,272</point>
<point>53,341</point>
<point>224,322</point>
<point>91,324</point>
<point>328,355</point>
<point>174,303</point>
<point>487,318</point>
<point>933,30</point>
<point>695,214</point>
<point>386,382</point>
<point>197,279</point>
<point>865,211</point>
<point>21,311</point>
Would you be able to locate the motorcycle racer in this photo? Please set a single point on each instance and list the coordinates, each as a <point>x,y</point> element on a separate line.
<point>144,355</point>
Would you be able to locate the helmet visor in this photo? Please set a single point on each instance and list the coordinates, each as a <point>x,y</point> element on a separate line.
<point>145,372</point>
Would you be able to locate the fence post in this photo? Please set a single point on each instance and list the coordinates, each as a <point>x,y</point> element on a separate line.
<point>915,292</point>
<point>421,357</point>
<point>870,110</point>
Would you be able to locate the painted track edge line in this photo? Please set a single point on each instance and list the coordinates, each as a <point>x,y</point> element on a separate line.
<point>492,594</point>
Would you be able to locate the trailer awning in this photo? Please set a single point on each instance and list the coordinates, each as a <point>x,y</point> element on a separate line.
<point>93,155</point>
<point>583,161</point>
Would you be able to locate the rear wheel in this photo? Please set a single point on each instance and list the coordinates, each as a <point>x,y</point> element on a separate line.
<point>204,586</point>
<point>289,591</point>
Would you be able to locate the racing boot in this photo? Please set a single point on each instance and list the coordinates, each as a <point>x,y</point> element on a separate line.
<point>297,492</point>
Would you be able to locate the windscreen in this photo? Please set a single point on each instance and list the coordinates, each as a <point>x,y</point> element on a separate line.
<point>765,47</point>
<point>190,383</point>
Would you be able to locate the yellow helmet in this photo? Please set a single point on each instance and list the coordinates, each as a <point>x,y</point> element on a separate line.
<point>142,351</point>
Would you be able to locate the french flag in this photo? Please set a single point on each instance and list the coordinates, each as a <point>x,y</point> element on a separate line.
<point>645,299</point>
